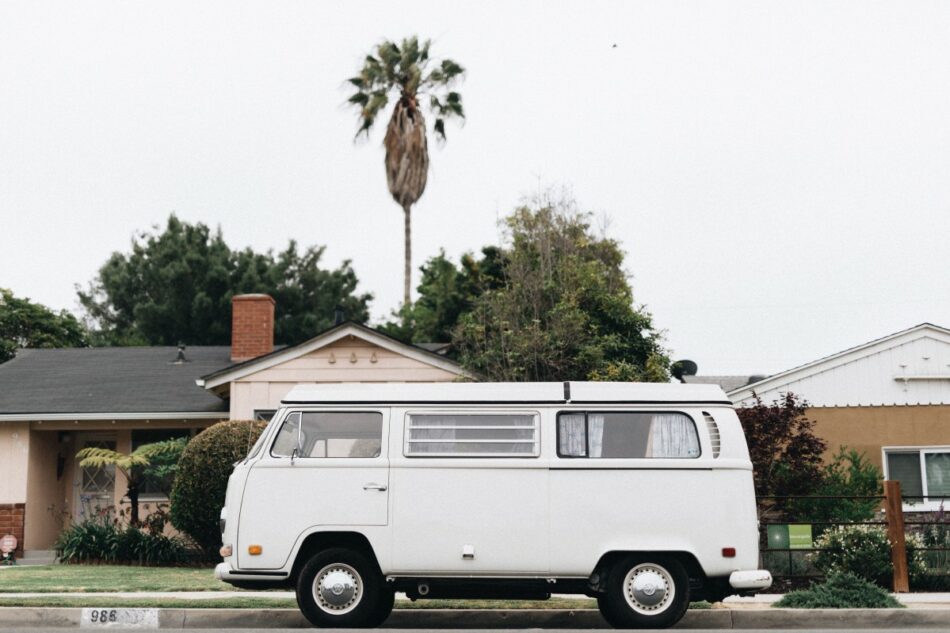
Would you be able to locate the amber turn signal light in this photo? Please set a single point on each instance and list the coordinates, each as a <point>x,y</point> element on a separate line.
<point>254,550</point>
<point>728,552</point>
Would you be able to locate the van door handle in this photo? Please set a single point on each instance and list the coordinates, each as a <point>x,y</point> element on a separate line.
<point>379,487</point>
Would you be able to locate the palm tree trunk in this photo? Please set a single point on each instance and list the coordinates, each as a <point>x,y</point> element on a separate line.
<point>407,282</point>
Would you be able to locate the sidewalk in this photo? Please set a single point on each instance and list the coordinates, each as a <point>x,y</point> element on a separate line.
<point>925,611</point>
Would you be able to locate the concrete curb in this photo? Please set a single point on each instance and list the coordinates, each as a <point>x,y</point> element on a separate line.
<point>890,619</point>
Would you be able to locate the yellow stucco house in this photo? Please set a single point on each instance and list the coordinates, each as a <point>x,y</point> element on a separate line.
<point>54,402</point>
<point>888,398</point>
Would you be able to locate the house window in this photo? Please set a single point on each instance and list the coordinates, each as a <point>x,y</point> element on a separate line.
<point>924,473</point>
<point>157,483</point>
<point>472,435</point>
<point>626,435</point>
<point>330,434</point>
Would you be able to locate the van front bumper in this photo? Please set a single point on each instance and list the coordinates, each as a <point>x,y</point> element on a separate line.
<point>750,580</point>
<point>250,579</point>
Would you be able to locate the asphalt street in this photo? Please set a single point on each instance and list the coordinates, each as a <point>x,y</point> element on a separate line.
<point>138,630</point>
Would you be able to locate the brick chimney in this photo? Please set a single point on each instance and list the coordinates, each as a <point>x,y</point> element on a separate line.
<point>252,326</point>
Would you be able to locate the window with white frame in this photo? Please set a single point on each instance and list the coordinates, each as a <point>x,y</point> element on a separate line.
<point>472,435</point>
<point>330,434</point>
<point>626,435</point>
<point>924,473</point>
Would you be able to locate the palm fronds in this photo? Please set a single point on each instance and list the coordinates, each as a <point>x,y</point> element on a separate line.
<point>408,70</point>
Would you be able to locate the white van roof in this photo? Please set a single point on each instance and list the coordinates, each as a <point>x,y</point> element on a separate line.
<point>507,393</point>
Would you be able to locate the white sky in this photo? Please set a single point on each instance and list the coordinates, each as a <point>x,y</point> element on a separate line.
<point>778,172</point>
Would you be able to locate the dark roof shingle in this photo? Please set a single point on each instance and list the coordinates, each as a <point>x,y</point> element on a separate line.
<point>110,380</point>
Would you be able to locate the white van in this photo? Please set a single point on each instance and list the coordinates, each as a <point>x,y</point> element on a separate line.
<point>637,494</point>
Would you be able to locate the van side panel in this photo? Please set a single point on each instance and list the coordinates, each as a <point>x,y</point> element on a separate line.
<point>500,512</point>
<point>643,509</point>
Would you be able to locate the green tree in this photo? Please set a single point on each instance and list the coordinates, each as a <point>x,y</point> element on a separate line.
<point>176,286</point>
<point>785,452</point>
<point>27,324</point>
<point>407,72</point>
<point>446,292</point>
<point>564,310</point>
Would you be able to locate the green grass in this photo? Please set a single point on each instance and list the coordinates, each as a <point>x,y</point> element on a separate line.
<point>98,578</point>
<point>144,603</point>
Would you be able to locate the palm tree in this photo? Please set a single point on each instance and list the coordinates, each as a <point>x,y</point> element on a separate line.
<point>132,465</point>
<point>407,72</point>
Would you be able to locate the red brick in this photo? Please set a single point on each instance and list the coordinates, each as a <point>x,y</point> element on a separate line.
<point>252,326</point>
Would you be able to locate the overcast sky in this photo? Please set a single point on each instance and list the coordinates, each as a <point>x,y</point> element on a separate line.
<point>777,172</point>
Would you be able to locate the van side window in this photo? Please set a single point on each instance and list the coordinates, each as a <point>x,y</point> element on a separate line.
<point>325,434</point>
<point>472,435</point>
<point>626,435</point>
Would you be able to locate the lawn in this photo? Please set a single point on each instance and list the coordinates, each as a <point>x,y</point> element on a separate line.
<point>94,578</point>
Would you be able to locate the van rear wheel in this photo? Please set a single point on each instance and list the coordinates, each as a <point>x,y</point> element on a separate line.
<point>645,592</point>
<point>342,588</point>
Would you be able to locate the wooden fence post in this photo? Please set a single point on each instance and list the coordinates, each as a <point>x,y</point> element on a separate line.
<point>894,513</point>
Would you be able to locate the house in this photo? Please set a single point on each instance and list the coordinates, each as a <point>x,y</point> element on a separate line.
<point>54,402</point>
<point>889,398</point>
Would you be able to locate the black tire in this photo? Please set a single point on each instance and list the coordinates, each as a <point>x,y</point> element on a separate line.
<point>359,598</point>
<point>623,608</point>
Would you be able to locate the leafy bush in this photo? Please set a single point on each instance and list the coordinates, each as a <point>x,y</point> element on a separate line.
<point>849,474</point>
<point>865,551</point>
<point>840,591</point>
<point>203,470</point>
<point>103,538</point>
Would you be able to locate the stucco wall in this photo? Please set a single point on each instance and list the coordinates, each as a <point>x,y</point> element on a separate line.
<point>869,429</point>
<point>14,457</point>
<point>347,360</point>
<point>44,511</point>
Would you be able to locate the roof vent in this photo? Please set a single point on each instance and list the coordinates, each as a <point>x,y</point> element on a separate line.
<point>714,438</point>
<point>180,356</point>
<point>339,315</point>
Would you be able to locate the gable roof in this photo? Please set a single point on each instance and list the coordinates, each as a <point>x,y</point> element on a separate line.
<point>901,357</point>
<point>328,337</point>
<point>117,381</point>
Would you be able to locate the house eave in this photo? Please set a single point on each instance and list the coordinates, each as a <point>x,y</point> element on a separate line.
<point>247,368</point>
<point>153,415</point>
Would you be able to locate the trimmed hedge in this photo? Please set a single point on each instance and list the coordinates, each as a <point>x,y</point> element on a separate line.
<point>202,479</point>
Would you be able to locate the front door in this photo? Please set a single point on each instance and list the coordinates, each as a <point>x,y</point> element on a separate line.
<point>324,470</point>
<point>95,485</point>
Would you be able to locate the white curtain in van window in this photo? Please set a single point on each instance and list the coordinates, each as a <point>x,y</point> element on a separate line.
<point>571,436</point>
<point>595,430</point>
<point>673,435</point>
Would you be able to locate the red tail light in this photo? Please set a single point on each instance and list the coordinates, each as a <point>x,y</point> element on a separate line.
<point>728,552</point>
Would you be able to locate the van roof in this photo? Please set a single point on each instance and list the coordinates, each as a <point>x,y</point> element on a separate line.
<point>507,393</point>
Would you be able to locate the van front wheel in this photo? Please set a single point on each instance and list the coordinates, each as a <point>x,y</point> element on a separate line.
<point>645,592</point>
<point>342,588</point>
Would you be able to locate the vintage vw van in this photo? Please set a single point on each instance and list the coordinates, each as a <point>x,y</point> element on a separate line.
<point>637,494</point>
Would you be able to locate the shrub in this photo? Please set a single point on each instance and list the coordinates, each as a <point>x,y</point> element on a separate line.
<point>201,482</point>
<point>864,550</point>
<point>849,474</point>
<point>103,538</point>
<point>93,540</point>
<point>840,591</point>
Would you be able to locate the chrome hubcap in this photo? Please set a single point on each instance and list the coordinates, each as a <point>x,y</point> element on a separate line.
<point>337,588</point>
<point>648,588</point>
